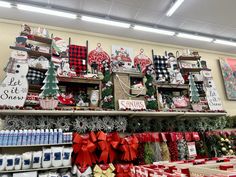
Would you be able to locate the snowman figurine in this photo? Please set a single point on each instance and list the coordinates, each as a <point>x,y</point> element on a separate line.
<point>14,88</point>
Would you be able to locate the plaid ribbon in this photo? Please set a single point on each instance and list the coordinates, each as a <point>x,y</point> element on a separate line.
<point>161,65</point>
<point>35,77</point>
<point>78,55</point>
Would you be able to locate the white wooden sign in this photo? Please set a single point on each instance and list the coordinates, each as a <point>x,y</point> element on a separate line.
<point>213,99</point>
<point>192,149</point>
<point>132,104</point>
<point>14,88</point>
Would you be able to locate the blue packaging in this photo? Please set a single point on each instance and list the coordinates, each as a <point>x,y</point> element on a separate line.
<point>33,136</point>
<point>1,137</point>
<point>5,137</point>
<point>46,136</point>
<point>51,136</point>
<point>37,137</point>
<point>55,135</point>
<point>42,136</point>
<point>60,136</point>
<point>15,136</point>
<point>20,137</point>
<point>24,137</point>
<point>10,138</point>
<point>29,135</point>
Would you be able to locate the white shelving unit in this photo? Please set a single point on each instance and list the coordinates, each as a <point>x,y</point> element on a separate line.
<point>34,169</point>
<point>34,145</point>
<point>110,113</point>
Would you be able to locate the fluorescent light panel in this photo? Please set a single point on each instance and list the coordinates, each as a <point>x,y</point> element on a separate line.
<point>194,37</point>
<point>5,4</point>
<point>153,30</point>
<point>224,42</point>
<point>105,22</point>
<point>46,11</point>
<point>174,7</point>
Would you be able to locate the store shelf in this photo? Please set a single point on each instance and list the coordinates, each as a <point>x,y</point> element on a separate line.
<point>35,145</point>
<point>193,58</point>
<point>37,38</point>
<point>146,114</point>
<point>39,69</point>
<point>32,52</point>
<point>174,86</point>
<point>191,69</point>
<point>35,169</point>
<point>79,80</point>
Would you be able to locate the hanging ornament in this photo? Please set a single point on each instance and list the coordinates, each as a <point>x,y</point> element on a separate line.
<point>142,60</point>
<point>96,56</point>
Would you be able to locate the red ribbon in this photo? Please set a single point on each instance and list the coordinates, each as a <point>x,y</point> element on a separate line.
<point>108,143</point>
<point>123,170</point>
<point>129,147</point>
<point>84,148</point>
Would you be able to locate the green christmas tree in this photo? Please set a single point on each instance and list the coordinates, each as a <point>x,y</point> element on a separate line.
<point>194,95</point>
<point>151,102</point>
<point>50,88</point>
<point>107,90</point>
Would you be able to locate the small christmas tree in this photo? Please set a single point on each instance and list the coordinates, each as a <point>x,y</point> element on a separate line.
<point>50,88</point>
<point>194,95</point>
<point>107,90</point>
<point>150,94</point>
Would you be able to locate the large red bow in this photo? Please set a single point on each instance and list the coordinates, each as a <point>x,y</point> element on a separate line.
<point>123,170</point>
<point>108,143</point>
<point>129,146</point>
<point>84,148</point>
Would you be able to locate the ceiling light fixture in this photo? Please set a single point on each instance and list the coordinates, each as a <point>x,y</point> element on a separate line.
<point>105,22</point>
<point>154,30</point>
<point>224,42</point>
<point>5,4</point>
<point>174,7</point>
<point>194,37</point>
<point>46,11</point>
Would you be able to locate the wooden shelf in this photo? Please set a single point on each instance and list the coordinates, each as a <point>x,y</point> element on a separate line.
<point>38,69</point>
<point>191,69</point>
<point>110,113</point>
<point>32,52</point>
<point>35,145</point>
<point>174,86</point>
<point>193,58</point>
<point>79,80</point>
<point>37,38</point>
<point>34,169</point>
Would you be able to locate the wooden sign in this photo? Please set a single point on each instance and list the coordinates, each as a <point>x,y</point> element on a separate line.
<point>213,99</point>
<point>134,105</point>
<point>14,88</point>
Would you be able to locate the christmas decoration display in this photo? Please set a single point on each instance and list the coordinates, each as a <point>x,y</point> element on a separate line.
<point>14,87</point>
<point>161,68</point>
<point>96,57</point>
<point>104,170</point>
<point>121,58</point>
<point>142,61</point>
<point>194,95</point>
<point>151,102</point>
<point>48,96</point>
<point>107,90</point>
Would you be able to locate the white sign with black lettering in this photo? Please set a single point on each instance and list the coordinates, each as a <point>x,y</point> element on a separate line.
<point>132,105</point>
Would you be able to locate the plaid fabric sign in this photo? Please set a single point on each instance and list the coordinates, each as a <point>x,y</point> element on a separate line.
<point>35,77</point>
<point>78,55</point>
<point>161,65</point>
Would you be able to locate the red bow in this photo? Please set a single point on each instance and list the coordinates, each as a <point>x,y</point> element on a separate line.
<point>84,148</point>
<point>129,146</point>
<point>108,143</point>
<point>123,170</point>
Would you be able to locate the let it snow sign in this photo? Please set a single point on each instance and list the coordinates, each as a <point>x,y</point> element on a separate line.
<point>134,105</point>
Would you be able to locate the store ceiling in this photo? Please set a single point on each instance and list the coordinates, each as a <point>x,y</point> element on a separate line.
<point>214,17</point>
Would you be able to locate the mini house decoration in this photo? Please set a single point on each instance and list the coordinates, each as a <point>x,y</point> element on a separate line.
<point>48,96</point>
